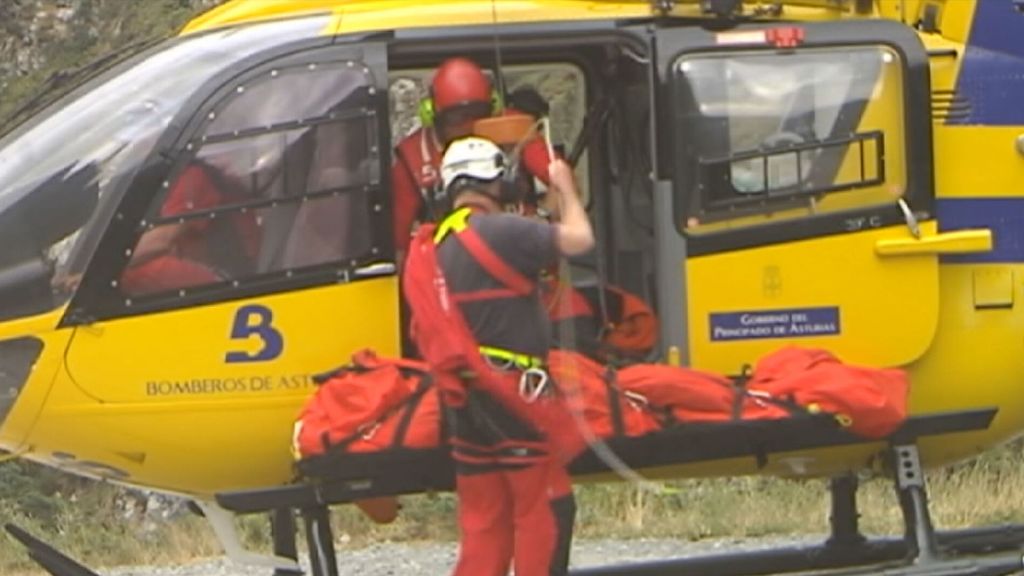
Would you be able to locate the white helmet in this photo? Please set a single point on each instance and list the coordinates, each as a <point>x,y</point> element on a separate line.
<point>472,157</point>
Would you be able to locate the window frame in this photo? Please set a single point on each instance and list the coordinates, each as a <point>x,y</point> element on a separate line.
<point>678,158</point>
<point>99,297</point>
<point>708,208</point>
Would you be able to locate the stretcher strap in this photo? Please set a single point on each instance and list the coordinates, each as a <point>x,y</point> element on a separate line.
<point>614,395</point>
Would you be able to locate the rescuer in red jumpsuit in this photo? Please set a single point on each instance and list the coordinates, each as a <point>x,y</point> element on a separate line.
<point>514,493</point>
<point>460,94</point>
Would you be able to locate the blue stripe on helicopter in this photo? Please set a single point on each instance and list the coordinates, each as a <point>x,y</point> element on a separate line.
<point>1003,216</point>
<point>992,74</point>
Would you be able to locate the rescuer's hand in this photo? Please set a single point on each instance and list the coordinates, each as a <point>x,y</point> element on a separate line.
<point>561,176</point>
<point>575,235</point>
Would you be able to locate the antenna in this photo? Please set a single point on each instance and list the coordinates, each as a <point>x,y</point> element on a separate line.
<point>499,75</point>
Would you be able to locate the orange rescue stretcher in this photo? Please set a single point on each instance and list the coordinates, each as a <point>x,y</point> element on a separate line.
<point>374,431</point>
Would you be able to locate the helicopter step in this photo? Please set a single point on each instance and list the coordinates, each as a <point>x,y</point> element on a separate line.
<point>335,479</point>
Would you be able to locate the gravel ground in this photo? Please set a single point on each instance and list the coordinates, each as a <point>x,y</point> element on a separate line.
<point>430,559</point>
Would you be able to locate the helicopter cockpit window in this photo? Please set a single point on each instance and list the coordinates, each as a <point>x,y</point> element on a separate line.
<point>64,171</point>
<point>282,178</point>
<point>777,136</point>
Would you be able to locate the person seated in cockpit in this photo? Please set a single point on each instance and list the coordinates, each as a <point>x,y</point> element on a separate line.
<point>196,251</point>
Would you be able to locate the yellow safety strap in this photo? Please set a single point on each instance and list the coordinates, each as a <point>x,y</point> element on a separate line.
<point>524,361</point>
<point>455,222</point>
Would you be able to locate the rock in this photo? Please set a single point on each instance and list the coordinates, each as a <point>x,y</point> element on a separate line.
<point>34,34</point>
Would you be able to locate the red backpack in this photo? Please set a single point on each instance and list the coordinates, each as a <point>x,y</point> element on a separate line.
<point>632,329</point>
<point>368,405</point>
<point>871,402</point>
<point>448,346</point>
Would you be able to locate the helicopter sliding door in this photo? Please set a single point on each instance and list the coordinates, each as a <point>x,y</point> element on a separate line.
<point>801,193</point>
<point>261,258</point>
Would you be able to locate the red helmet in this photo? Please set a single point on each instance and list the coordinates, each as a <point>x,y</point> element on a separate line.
<point>458,82</point>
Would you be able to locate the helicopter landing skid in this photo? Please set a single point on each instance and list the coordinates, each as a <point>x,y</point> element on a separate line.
<point>223,526</point>
<point>47,556</point>
<point>1004,564</point>
<point>342,478</point>
<point>921,552</point>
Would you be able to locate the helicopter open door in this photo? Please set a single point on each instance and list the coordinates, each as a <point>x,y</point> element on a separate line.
<point>259,256</point>
<point>800,204</point>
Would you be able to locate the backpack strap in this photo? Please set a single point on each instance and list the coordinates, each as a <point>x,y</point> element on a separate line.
<point>410,406</point>
<point>610,380</point>
<point>743,394</point>
<point>515,283</point>
<point>740,384</point>
<point>493,263</point>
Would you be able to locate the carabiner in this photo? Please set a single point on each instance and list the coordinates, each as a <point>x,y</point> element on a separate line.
<point>532,383</point>
<point>368,431</point>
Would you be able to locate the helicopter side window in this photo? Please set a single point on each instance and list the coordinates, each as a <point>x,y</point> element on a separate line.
<point>778,136</point>
<point>65,169</point>
<point>282,179</point>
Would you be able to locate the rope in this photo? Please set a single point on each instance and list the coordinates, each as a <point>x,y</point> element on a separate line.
<point>574,397</point>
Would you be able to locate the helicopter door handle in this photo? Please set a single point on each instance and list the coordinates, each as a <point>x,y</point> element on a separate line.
<point>375,269</point>
<point>958,242</point>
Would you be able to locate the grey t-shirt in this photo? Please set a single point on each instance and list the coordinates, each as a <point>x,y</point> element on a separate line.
<point>518,324</point>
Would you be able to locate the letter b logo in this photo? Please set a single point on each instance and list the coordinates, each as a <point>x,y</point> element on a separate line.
<point>255,320</point>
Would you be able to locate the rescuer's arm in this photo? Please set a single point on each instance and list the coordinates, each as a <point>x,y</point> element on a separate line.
<point>536,159</point>
<point>193,191</point>
<point>156,242</point>
<point>573,233</point>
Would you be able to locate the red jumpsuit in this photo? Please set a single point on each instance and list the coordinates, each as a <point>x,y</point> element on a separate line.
<point>515,496</point>
<point>416,174</point>
<point>189,261</point>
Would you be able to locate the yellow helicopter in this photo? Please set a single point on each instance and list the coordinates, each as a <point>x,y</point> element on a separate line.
<point>842,174</point>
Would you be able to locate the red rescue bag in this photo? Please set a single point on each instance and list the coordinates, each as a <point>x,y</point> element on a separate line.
<point>607,410</point>
<point>871,402</point>
<point>634,327</point>
<point>688,395</point>
<point>631,331</point>
<point>447,344</point>
<point>371,404</point>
